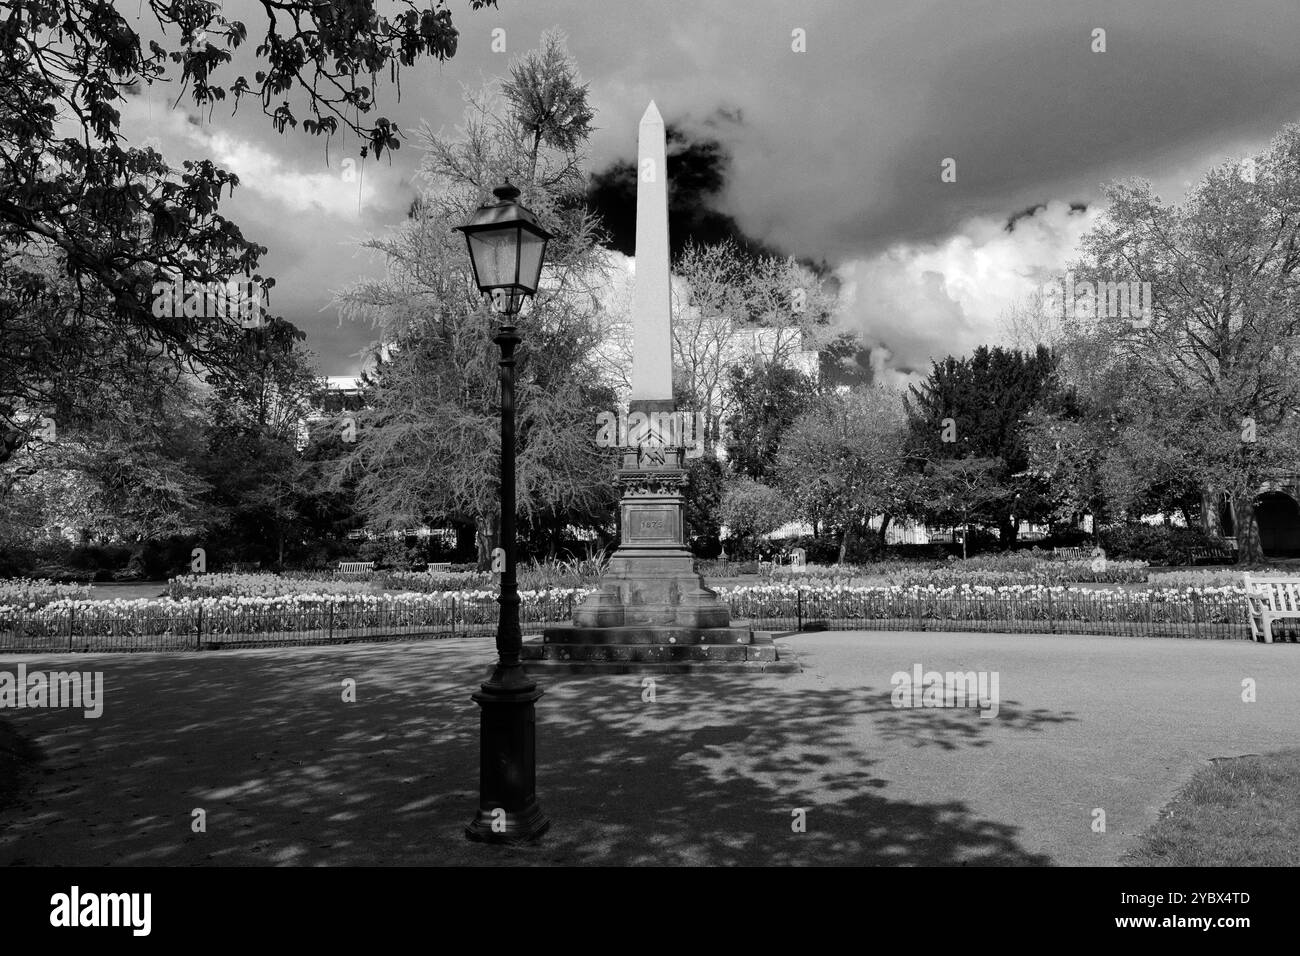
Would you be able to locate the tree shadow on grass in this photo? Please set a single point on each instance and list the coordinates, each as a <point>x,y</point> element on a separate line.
<point>710,772</point>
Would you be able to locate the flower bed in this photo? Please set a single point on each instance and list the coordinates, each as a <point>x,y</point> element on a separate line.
<point>230,584</point>
<point>431,581</point>
<point>955,574</point>
<point>1205,612</point>
<point>230,620</point>
<point>164,623</point>
<point>38,591</point>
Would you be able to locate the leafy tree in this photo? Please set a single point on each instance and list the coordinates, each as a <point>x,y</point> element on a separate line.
<point>1220,346</point>
<point>768,399</point>
<point>429,444</point>
<point>977,406</point>
<point>751,510</point>
<point>89,225</point>
<point>844,460</point>
<point>705,486</point>
<point>255,418</point>
<point>731,310</point>
<point>958,489</point>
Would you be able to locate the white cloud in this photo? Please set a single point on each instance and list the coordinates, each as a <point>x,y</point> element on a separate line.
<point>334,190</point>
<point>924,301</point>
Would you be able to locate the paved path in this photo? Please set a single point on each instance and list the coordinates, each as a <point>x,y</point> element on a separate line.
<point>710,772</point>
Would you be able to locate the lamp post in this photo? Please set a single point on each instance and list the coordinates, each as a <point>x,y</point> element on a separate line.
<point>506,247</point>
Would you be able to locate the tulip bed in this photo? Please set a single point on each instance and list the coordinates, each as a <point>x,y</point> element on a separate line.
<point>229,621</point>
<point>261,585</point>
<point>337,612</point>
<point>1213,612</point>
<point>38,592</point>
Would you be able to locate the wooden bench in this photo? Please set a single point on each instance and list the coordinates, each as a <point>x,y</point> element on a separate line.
<point>356,567</point>
<point>444,566</point>
<point>1072,554</point>
<point>1216,555</point>
<point>1270,599</point>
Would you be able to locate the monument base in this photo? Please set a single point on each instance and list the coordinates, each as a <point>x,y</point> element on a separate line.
<point>656,650</point>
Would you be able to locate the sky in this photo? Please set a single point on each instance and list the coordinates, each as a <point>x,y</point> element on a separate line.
<point>838,116</point>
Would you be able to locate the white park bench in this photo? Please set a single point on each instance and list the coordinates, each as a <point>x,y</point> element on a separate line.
<point>1270,599</point>
<point>356,567</point>
<point>444,566</point>
<point>1071,553</point>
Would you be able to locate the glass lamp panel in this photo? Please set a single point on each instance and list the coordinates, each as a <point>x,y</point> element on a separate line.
<point>507,301</point>
<point>531,248</point>
<point>494,253</point>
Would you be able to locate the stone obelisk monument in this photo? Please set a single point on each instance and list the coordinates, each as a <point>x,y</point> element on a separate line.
<point>652,608</point>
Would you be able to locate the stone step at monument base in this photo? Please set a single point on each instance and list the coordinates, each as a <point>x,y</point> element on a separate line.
<point>737,633</point>
<point>644,658</point>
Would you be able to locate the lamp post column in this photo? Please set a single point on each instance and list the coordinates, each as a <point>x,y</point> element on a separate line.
<point>508,810</point>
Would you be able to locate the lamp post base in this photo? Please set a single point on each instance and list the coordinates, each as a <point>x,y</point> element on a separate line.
<point>509,828</point>
<point>508,810</point>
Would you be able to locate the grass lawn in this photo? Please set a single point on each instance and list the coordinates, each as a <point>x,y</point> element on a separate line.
<point>1239,812</point>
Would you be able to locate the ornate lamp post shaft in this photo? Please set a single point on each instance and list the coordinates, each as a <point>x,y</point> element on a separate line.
<point>506,247</point>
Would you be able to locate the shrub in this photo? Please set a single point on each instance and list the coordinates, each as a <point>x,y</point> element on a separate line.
<point>1156,544</point>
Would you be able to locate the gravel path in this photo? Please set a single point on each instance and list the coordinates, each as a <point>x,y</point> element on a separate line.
<point>710,772</point>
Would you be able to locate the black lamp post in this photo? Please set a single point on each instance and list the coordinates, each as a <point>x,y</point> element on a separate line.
<point>506,247</point>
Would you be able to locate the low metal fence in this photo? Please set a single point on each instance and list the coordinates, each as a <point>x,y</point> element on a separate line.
<point>191,626</point>
<point>87,626</point>
<point>1125,614</point>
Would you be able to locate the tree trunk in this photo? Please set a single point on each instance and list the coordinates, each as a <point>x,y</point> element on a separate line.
<point>466,538</point>
<point>884,526</point>
<point>844,540</point>
<point>1007,531</point>
<point>1250,548</point>
<point>1210,519</point>
<point>965,536</point>
<point>485,527</point>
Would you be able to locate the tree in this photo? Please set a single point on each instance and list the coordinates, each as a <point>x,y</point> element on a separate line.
<point>843,461</point>
<point>751,510</point>
<point>768,399</point>
<point>705,487</point>
<point>429,445</point>
<point>131,473</point>
<point>731,309</point>
<point>977,406</point>
<point>1218,350</point>
<point>958,489</point>
<point>255,418</point>
<point>89,226</point>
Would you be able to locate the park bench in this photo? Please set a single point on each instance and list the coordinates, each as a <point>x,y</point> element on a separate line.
<point>1216,554</point>
<point>1074,554</point>
<point>1270,599</point>
<point>444,566</point>
<point>356,567</point>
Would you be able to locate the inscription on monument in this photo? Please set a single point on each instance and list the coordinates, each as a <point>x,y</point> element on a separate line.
<point>656,523</point>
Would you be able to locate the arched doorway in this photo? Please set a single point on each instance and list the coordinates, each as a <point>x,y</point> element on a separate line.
<point>1278,515</point>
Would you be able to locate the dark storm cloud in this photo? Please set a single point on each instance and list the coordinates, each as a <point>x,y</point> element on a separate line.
<point>834,152</point>
<point>699,164</point>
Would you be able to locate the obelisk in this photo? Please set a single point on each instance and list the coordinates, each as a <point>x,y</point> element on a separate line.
<point>652,608</point>
<point>652,332</point>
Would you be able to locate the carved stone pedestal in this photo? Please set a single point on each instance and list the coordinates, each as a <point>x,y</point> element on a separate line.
<point>652,608</point>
